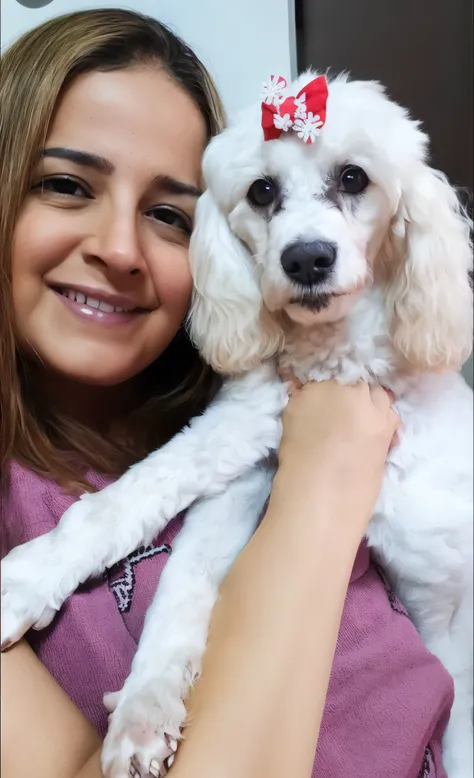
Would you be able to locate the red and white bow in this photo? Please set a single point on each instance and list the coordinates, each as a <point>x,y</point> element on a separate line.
<point>304,114</point>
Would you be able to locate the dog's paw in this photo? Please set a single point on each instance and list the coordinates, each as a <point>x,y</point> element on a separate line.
<point>28,596</point>
<point>144,730</point>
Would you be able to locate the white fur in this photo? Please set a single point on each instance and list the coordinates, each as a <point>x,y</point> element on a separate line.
<point>405,321</point>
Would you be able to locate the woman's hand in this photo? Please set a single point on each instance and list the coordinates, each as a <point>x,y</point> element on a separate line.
<point>335,441</point>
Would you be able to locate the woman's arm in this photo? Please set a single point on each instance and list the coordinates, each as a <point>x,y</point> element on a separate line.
<point>43,733</point>
<point>257,709</point>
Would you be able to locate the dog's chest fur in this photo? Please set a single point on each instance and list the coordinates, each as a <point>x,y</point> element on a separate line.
<point>357,347</point>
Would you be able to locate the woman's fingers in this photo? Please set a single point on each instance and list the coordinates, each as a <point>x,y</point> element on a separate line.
<point>385,398</point>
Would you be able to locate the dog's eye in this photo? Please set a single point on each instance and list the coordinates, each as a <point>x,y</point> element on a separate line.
<point>353,179</point>
<point>262,192</point>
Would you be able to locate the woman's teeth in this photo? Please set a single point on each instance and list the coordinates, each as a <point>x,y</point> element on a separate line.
<point>92,302</point>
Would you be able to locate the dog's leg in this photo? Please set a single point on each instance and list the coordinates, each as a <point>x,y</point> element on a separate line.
<point>434,582</point>
<point>150,712</point>
<point>456,654</point>
<point>448,636</point>
<point>422,531</point>
<point>238,430</point>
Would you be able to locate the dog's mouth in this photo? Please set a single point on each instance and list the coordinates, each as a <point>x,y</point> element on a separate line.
<point>312,301</point>
<point>309,307</point>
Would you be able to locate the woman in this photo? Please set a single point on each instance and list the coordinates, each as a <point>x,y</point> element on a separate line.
<point>105,116</point>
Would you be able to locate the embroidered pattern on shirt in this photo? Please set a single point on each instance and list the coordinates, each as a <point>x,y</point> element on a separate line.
<point>395,603</point>
<point>122,588</point>
<point>428,766</point>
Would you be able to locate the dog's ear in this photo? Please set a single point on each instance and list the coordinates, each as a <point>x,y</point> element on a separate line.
<point>429,296</point>
<point>227,320</point>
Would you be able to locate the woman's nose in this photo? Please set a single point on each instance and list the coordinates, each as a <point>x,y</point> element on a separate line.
<point>116,242</point>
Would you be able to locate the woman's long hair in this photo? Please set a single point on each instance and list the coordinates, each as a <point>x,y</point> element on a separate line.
<point>35,71</point>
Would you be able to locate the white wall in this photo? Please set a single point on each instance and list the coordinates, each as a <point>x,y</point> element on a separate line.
<point>241,41</point>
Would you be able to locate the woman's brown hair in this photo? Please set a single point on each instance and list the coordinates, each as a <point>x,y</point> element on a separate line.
<point>35,71</point>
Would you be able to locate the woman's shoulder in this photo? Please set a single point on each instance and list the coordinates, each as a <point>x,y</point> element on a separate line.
<point>31,504</point>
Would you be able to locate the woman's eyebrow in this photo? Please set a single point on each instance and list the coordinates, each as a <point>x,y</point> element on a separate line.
<point>171,185</point>
<point>80,158</point>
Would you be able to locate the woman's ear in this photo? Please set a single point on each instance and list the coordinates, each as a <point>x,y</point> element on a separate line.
<point>429,295</point>
<point>228,322</point>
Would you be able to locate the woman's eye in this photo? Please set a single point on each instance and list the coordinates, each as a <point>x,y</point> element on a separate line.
<point>65,186</point>
<point>171,217</point>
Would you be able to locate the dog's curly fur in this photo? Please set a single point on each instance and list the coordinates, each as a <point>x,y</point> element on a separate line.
<point>396,309</point>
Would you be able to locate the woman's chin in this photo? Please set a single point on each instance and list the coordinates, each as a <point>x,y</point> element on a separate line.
<point>94,369</point>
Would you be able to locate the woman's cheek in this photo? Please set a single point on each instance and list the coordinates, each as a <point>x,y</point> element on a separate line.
<point>173,280</point>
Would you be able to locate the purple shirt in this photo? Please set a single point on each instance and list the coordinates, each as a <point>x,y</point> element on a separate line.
<point>389,698</point>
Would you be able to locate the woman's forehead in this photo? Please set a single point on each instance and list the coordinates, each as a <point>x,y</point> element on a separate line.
<point>132,117</point>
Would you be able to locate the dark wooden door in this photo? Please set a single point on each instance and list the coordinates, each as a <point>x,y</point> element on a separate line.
<point>421,50</point>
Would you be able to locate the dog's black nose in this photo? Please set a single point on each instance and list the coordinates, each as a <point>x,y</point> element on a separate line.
<point>308,263</point>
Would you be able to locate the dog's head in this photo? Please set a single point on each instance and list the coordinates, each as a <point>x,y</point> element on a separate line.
<point>288,228</point>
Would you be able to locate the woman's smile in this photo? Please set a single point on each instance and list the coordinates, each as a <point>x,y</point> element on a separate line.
<point>99,307</point>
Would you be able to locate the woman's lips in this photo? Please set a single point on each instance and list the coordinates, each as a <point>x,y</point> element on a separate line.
<point>96,310</point>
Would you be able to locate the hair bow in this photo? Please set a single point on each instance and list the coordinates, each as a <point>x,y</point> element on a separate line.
<point>304,114</point>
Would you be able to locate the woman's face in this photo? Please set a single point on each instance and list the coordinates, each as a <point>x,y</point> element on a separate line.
<point>101,280</point>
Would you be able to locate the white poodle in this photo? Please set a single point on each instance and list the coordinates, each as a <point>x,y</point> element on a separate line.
<point>323,242</point>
